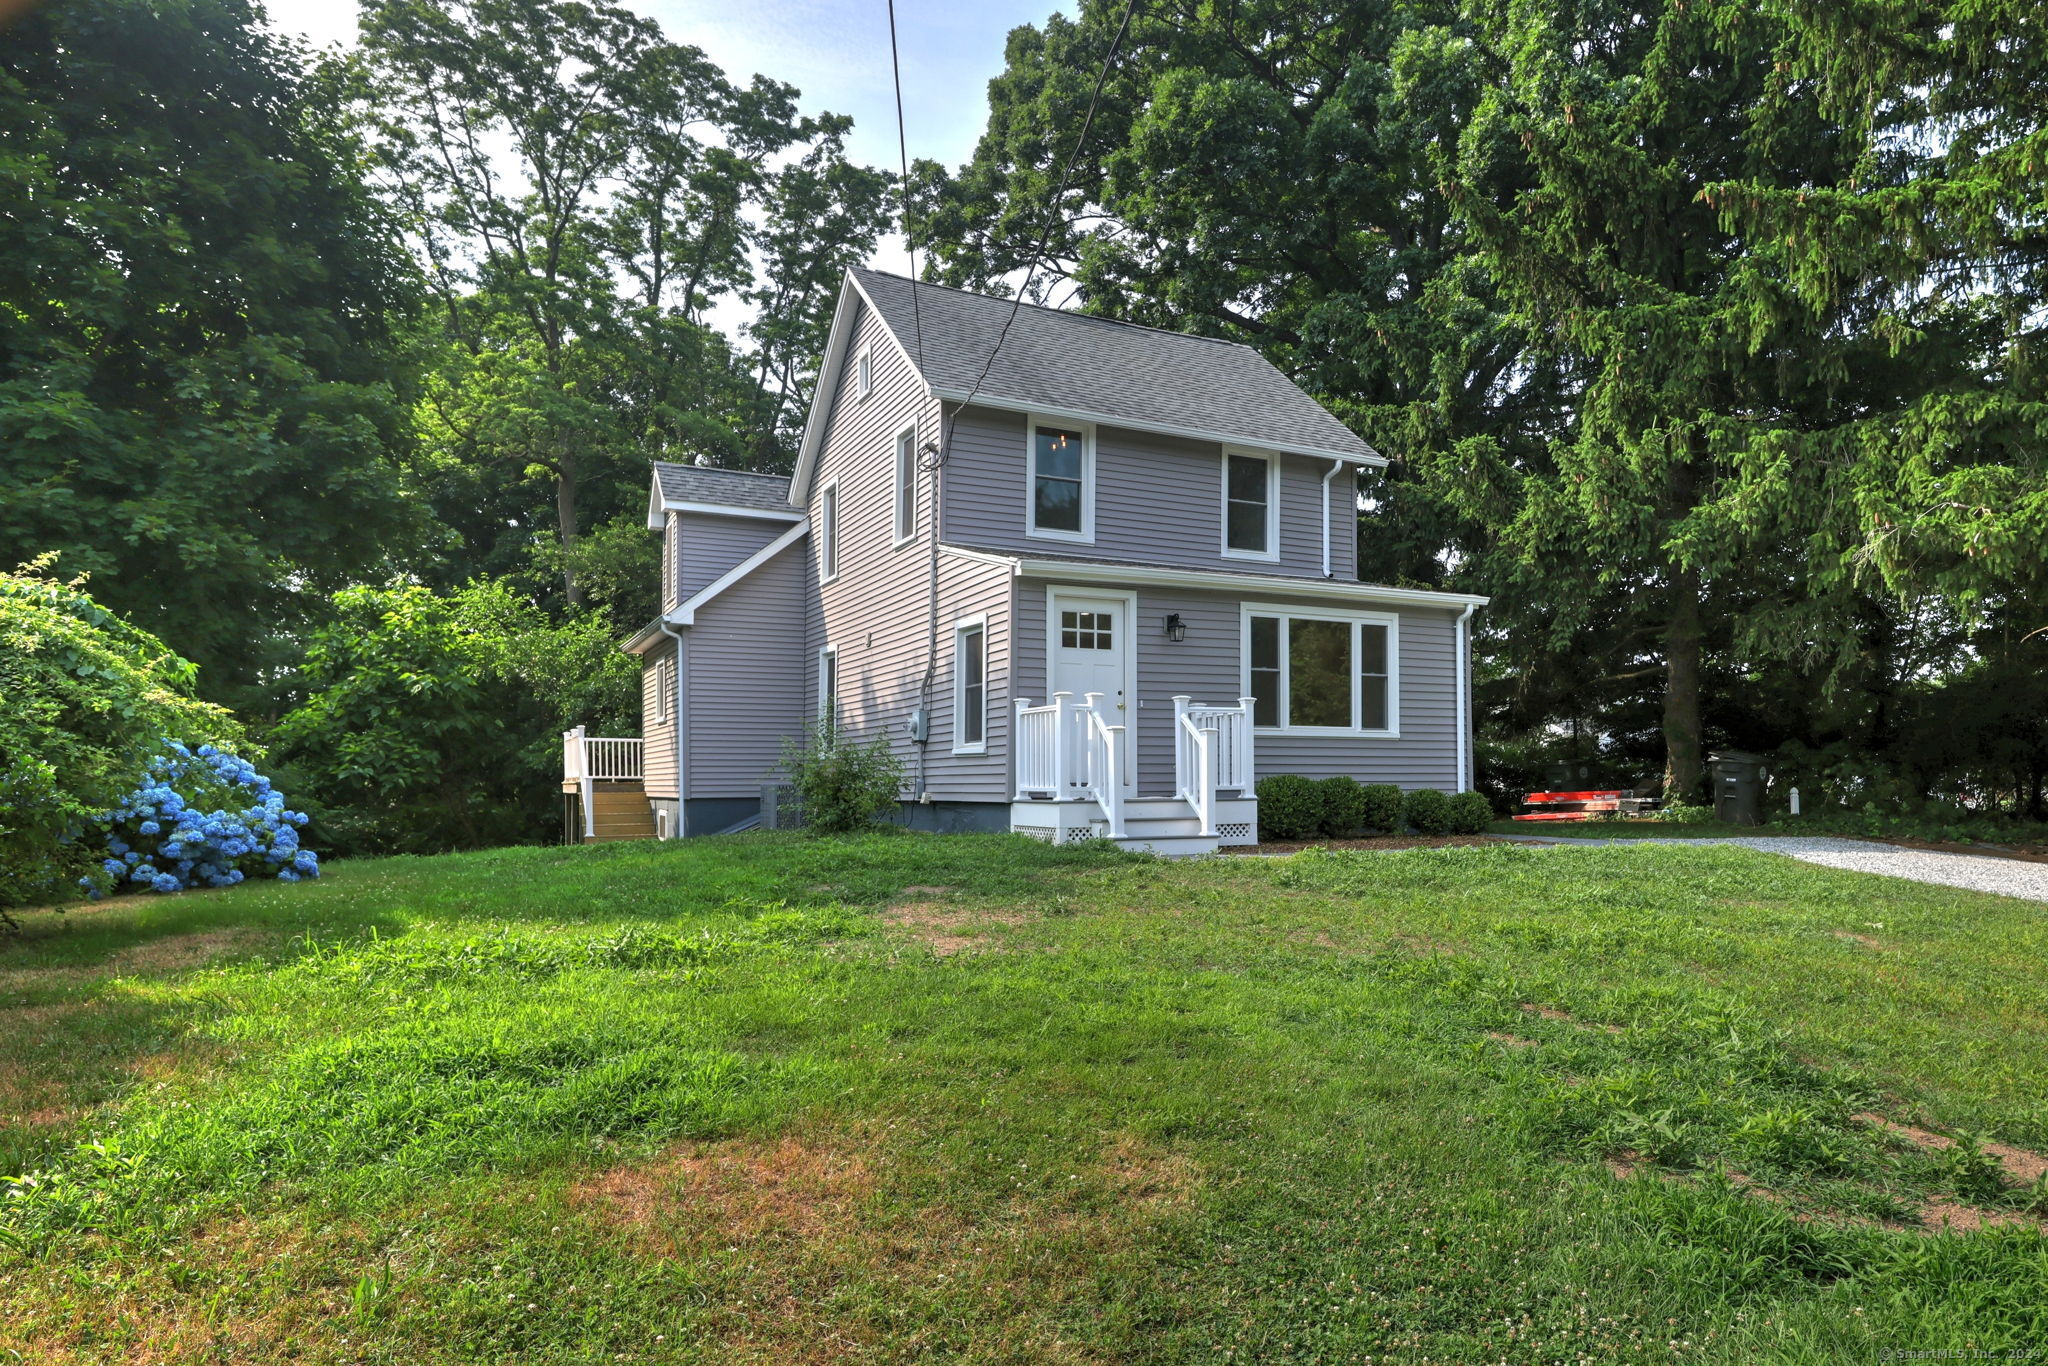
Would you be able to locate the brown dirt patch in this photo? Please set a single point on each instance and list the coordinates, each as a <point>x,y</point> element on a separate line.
<point>1553,1013</point>
<point>1912,1133</point>
<point>180,952</point>
<point>1626,1164</point>
<point>1939,1216</point>
<point>2022,1165</point>
<point>926,891</point>
<point>1380,843</point>
<point>947,929</point>
<point>740,1190</point>
<point>1511,1040</point>
<point>1852,937</point>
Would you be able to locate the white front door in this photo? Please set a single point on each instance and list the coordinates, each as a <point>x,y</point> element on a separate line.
<point>1090,652</point>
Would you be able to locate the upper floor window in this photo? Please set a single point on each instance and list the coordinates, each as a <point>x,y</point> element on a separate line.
<point>1250,506</point>
<point>828,533</point>
<point>863,373</point>
<point>1321,671</point>
<point>906,484</point>
<point>1062,478</point>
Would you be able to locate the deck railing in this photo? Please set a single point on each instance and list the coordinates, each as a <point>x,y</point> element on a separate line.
<point>1068,750</point>
<point>591,759</point>
<point>1212,752</point>
<point>1102,748</point>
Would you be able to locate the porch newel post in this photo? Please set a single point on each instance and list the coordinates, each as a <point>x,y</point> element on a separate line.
<point>1181,702</point>
<point>1244,762</point>
<point>1060,746</point>
<point>1017,747</point>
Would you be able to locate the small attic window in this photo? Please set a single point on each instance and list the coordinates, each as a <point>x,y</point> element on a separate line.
<point>863,373</point>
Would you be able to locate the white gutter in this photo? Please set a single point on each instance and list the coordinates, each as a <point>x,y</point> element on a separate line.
<point>1335,465</point>
<point>1464,673</point>
<point>1280,585</point>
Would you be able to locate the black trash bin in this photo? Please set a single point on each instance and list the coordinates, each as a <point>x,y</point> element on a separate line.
<point>1738,787</point>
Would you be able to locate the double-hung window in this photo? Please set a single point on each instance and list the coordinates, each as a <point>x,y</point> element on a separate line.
<point>970,687</point>
<point>1317,671</point>
<point>906,484</point>
<point>1062,492</point>
<point>828,685</point>
<point>1250,506</point>
<point>828,533</point>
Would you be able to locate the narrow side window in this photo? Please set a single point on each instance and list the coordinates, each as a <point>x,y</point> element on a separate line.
<point>970,699</point>
<point>828,532</point>
<point>906,484</point>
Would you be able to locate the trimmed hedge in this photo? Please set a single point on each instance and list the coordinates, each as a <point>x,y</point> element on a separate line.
<point>1290,807</point>
<point>1343,806</point>
<point>1470,813</point>
<point>1382,809</point>
<point>1429,811</point>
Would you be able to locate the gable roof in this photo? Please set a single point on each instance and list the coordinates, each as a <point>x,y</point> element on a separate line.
<point>1073,365</point>
<point>703,488</point>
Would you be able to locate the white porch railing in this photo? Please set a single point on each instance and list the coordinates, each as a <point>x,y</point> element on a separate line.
<point>1067,752</point>
<point>1212,752</point>
<point>591,759</point>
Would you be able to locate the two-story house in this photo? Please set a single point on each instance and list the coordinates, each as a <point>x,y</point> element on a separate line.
<point>1100,589</point>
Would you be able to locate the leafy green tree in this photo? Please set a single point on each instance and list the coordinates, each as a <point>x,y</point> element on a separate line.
<point>85,700</point>
<point>434,722</point>
<point>582,192</point>
<point>202,394</point>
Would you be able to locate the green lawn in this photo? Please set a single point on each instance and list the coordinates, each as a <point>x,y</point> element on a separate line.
<point>972,1099</point>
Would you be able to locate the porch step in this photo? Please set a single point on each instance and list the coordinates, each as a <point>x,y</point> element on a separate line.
<point>1168,846</point>
<point>1166,826</point>
<point>619,811</point>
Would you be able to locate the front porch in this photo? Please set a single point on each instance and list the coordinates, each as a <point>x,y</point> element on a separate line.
<point>1075,777</point>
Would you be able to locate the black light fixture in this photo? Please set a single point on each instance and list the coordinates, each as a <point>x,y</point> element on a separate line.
<point>1176,629</point>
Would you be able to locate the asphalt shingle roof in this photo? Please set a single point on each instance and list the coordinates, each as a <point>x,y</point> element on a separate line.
<point>733,488</point>
<point>1059,360</point>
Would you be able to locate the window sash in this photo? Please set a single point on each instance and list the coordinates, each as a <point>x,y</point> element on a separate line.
<point>1247,504</point>
<point>970,652</point>
<point>906,484</point>
<point>1297,664</point>
<point>828,685</point>
<point>1060,460</point>
<point>828,531</point>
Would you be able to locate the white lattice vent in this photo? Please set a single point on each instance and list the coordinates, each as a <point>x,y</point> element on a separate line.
<point>1037,832</point>
<point>1234,830</point>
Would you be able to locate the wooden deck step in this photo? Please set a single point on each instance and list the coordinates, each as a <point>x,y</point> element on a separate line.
<point>619,811</point>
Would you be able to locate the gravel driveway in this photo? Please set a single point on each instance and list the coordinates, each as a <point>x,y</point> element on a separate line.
<point>1978,872</point>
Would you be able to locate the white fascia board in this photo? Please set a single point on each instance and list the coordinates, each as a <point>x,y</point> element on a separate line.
<point>1081,571</point>
<point>686,614</point>
<point>984,399</point>
<point>1009,562</point>
<point>828,372</point>
<point>731,510</point>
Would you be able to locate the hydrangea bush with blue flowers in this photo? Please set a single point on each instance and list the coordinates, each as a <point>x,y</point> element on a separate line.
<point>201,818</point>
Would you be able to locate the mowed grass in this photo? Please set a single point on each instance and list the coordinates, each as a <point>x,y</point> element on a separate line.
<point>974,1099</point>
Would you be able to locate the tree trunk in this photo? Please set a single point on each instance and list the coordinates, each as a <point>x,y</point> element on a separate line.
<point>1682,739</point>
<point>566,529</point>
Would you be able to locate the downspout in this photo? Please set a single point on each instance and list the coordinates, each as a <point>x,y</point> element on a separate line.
<point>1335,465</point>
<point>682,693</point>
<point>1465,697</point>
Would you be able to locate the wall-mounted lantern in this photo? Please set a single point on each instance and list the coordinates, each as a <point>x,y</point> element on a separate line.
<point>1176,629</point>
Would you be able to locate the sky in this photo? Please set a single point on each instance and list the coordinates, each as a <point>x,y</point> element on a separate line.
<point>835,51</point>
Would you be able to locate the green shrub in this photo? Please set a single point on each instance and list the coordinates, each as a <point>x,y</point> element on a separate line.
<point>1382,808</point>
<point>1686,814</point>
<point>1343,806</point>
<point>1470,812</point>
<point>85,699</point>
<point>843,784</point>
<point>1429,811</point>
<point>1290,807</point>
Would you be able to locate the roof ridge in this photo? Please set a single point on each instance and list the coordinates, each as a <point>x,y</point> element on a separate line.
<point>720,469</point>
<point>1061,312</point>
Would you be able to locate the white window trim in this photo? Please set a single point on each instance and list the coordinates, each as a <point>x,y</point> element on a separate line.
<point>828,659</point>
<point>664,688</point>
<point>1271,553</point>
<point>828,532</point>
<point>961,629</point>
<point>863,373</point>
<point>1086,535</point>
<point>903,507</point>
<point>1390,620</point>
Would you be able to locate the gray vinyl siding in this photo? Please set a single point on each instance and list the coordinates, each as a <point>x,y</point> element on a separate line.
<point>746,686</point>
<point>658,746</point>
<point>708,544</point>
<point>1207,666</point>
<point>1158,500</point>
<point>876,612</point>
